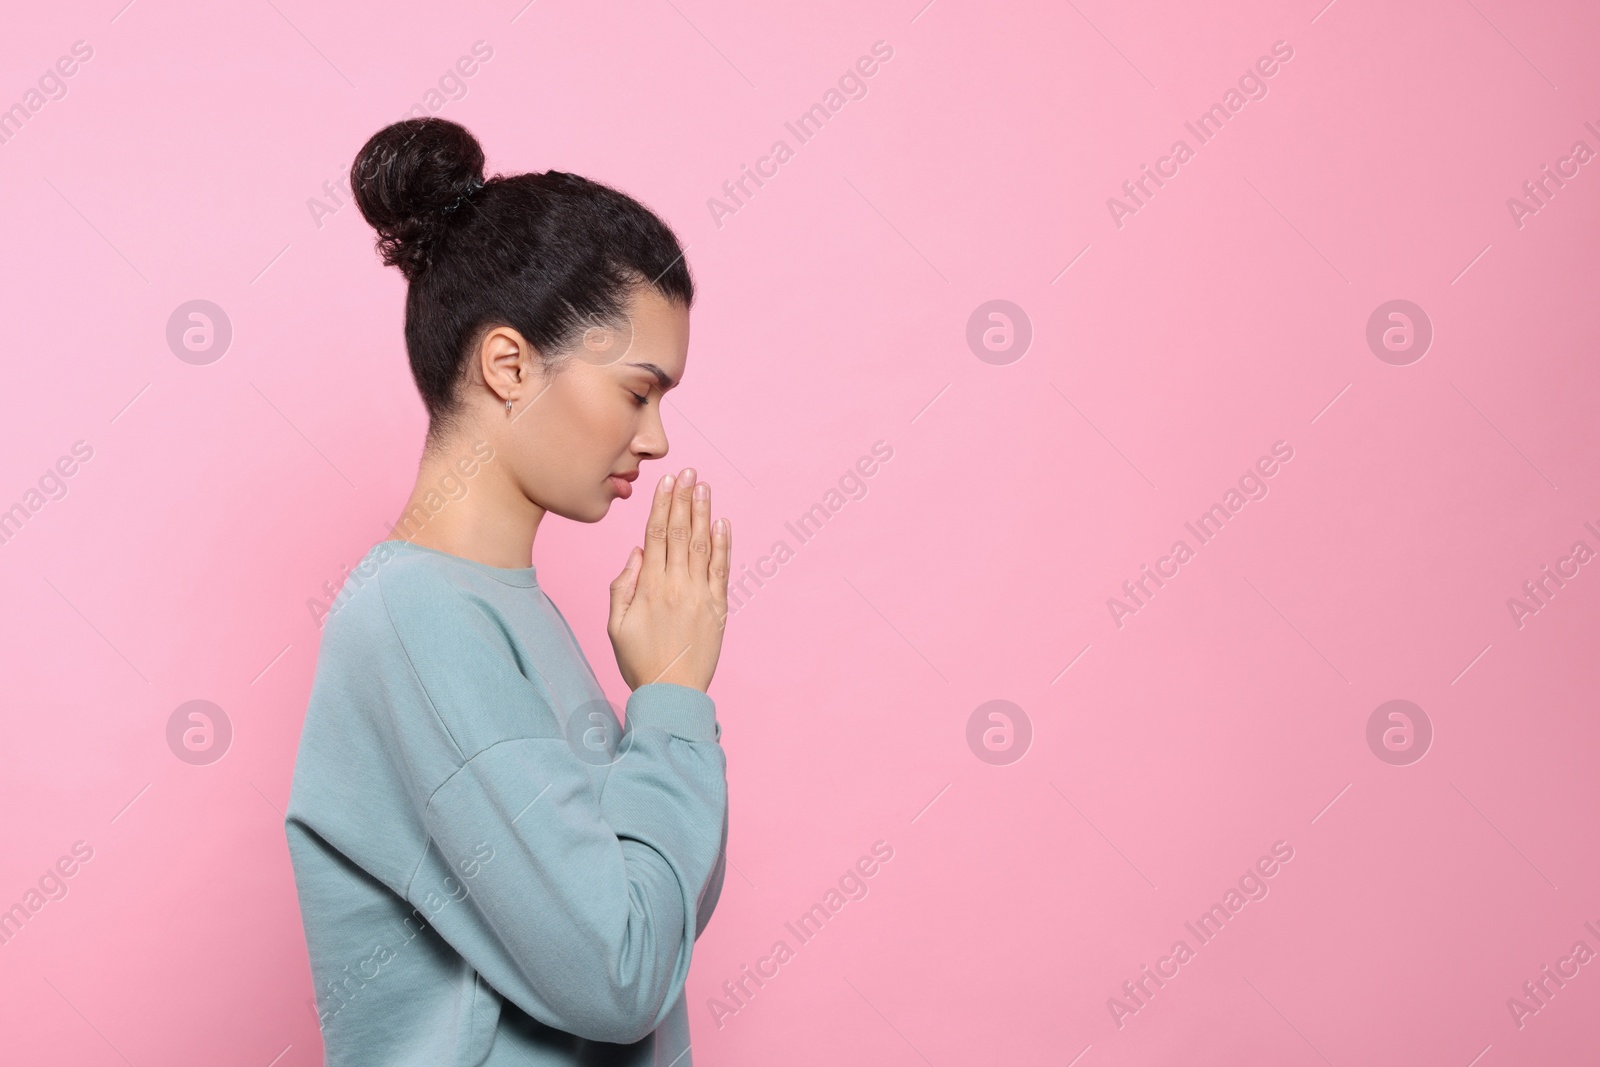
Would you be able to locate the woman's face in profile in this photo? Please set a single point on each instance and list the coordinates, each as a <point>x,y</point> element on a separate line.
<point>601,413</point>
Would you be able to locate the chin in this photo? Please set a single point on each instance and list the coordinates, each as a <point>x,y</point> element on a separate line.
<point>589,511</point>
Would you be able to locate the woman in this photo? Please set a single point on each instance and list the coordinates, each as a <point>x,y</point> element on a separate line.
<point>491,871</point>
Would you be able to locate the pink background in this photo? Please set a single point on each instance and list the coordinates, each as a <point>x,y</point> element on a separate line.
<point>1166,755</point>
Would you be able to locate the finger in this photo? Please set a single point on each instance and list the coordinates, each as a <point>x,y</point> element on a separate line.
<point>623,586</point>
<point>721,557</point>
<point>678,524</point>
<point>655,529</point>
<point>700,531</point>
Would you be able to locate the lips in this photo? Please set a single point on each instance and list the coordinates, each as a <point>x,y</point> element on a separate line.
<point>621,484</point>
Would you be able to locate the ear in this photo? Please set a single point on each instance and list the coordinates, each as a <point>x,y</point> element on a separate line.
<point>505,360</point>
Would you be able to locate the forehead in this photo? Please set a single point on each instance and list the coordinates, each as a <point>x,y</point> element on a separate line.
<point>659,344</point>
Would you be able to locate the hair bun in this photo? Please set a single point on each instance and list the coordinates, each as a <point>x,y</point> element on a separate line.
<point>407,180</point>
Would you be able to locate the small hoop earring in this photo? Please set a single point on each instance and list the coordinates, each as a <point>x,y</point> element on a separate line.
<point>508,407</point>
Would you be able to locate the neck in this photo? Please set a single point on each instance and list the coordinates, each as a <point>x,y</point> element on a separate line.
<point>468,506</point>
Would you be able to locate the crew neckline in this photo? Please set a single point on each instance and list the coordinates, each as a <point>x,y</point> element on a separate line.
<point>520,576</point>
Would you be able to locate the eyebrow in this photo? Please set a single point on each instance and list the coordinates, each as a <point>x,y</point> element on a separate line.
<point>661,375</point>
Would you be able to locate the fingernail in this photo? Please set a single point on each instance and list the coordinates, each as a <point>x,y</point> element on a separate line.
<point>702,491</point>
<point>688,476</point>
<point>666,484</point>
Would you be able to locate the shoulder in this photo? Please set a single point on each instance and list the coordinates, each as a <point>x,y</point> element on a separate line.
<point>438,664</point>
<point>394,595</point>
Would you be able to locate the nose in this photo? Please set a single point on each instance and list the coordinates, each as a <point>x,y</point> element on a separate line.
<point>652,443</point>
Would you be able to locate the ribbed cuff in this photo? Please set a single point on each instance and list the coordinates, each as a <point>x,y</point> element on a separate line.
<point>680,710</point>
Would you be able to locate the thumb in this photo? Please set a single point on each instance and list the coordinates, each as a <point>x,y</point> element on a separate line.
<point>626,583</point>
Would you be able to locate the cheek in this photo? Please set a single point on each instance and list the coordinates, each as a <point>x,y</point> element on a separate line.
<point>585,429</point>
<point>611,424</point>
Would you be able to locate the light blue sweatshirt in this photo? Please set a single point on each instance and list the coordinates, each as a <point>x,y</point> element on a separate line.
<point>490,870</point>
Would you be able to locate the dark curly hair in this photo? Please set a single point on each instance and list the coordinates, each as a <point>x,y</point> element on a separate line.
<point>549,255</point>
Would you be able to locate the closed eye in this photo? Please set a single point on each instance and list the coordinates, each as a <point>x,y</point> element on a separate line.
<point>643,400</point>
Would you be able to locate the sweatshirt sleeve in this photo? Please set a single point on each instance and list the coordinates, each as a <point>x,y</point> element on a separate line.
<point>713,893</point>
<point>585,914</point>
